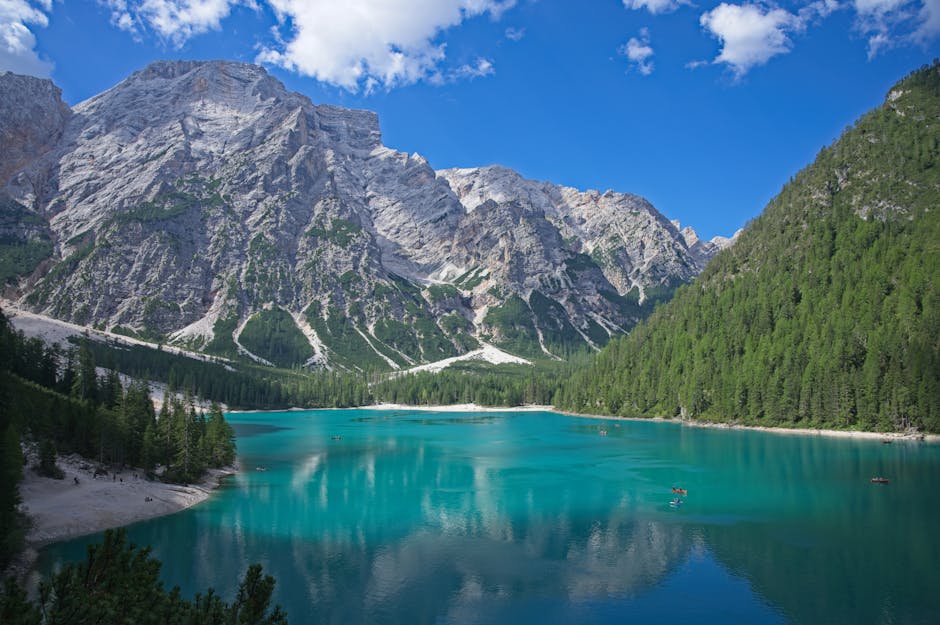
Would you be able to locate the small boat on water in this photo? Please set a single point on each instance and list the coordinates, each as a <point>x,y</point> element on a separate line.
<point>261,467</point>
<point>676,502</point>
<point>680,491</point>
<point>879,480</point>
<point>337,438</point>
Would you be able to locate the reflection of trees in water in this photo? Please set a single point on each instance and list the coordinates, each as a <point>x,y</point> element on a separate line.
<point>865,569</point>
<point>823,543</point>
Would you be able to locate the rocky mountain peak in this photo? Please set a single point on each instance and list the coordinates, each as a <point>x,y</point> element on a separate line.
<point>202,202</point>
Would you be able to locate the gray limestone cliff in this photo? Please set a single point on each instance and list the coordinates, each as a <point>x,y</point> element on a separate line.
<point>203,203</point>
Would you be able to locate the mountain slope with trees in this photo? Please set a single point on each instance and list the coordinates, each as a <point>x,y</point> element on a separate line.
<point>825,313</point>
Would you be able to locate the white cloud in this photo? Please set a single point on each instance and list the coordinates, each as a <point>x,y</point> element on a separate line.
<point>889,23</point>
<point>750,34</point>
<point>639,51</point>
<point>482,67</point>
<point>368,42</point>
<point>929,20</point>
<point>877,19</point>
<point>515,34</point>
<point>176,20</point>
<point>655,6</point>
<point>17,41</point>
<point>820,8</point>
<point>873,7</point>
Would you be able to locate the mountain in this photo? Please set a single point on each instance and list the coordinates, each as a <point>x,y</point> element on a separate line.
<point>825,312</point>
<point>204,204</point>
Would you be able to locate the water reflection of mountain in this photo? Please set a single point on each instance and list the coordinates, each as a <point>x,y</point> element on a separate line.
<point>542,519</point>
<point>426,577</point>
<point>412,537</point>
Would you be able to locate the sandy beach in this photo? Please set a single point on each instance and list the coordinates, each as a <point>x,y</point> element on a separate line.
<point>63,509</point>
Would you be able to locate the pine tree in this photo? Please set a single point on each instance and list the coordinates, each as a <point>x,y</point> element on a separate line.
<point>11,472</point>
<point>120,583</point>
<point>220,438</point>
<point>85,385</point>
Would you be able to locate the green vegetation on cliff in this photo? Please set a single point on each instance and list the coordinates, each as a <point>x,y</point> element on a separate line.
<point>825,313</point>
<point>273,335</point>
<point>25,241</point>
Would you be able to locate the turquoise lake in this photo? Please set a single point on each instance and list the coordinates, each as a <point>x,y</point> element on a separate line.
<point>518,517</point>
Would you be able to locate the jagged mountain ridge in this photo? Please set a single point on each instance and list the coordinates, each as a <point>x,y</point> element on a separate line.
<point>203,202</point>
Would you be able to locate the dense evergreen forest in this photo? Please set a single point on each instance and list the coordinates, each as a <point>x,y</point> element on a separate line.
<point>57,400</point>
<point>825,313</point>
<point>120,583</point>
<point>250,386</point>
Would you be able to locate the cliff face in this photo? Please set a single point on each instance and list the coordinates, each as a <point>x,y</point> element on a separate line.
<point>34,116</point>
<point>197,201</point>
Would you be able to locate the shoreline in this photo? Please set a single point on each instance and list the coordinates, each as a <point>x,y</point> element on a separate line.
<point>60,510</point>
<point>857,434</point>
<point>460,408</point>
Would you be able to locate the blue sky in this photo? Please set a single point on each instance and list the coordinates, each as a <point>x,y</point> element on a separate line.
<point>705,108</point>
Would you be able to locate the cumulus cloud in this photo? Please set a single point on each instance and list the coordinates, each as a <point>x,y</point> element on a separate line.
<point>17,41</point>
<point>386,42</point>
<point>750,34</point>
<point>515,34</point>
<point>175,20</point>
<point>655,6</point>
<point>639,51</point>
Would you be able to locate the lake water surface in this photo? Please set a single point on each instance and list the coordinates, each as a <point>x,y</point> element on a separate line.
<point>503,517</point>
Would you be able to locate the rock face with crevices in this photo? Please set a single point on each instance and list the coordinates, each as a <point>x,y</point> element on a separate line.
<point>34,116</point>
<point>194,196</point>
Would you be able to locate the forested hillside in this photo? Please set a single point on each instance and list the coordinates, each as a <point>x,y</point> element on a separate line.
<point>826,313</point>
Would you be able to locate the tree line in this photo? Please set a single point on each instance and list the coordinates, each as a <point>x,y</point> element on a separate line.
<point>55,398</point>
<point>120,583</point>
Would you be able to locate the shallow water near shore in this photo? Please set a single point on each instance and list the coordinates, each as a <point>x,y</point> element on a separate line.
<point>370,516</point>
